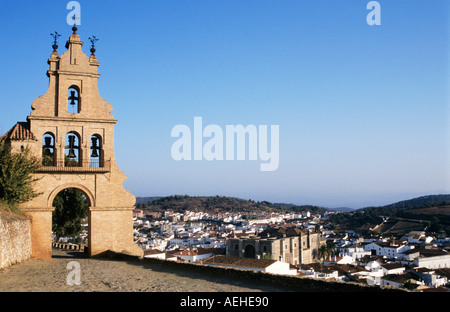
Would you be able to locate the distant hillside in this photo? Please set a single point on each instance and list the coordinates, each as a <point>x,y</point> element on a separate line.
<point>431,212</point>
<point>420,208</point>
<point>145,200</point>
<point>342,209</point>
<point>217,204</point>
<point>422,201</point>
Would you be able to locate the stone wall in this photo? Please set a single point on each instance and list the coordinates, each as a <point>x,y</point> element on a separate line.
<point>296,283</point>
<point>15,239</point>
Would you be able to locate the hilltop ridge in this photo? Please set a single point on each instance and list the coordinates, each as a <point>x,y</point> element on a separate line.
<point>228,204</point>
<point>421,201</point>
<point>217,204</point>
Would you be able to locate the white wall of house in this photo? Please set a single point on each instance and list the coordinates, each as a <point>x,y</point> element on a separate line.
<point>433,262</point>
<point>383,282</point>
<point>346,259</point>
<point>394,271</point>
<point>373,265</point>
<point>161,256</point>
<point>388,251</point>
<point>194,258</point>
<point>279,267</point>
<point>356,252</point>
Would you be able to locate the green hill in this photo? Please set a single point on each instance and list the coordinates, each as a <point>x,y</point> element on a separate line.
<point>424,208</point>
<point>217,204</point>
<point>431,212</point>
<point>422,201</point>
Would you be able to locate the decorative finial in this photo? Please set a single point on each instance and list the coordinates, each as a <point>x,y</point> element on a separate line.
<point>93,40</point>
<point>74,28</point>
<point>55,39</point>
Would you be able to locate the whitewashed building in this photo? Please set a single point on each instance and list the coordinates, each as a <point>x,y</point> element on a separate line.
<point>193,255</point>
<point>356,251</point>
<point>387,249</point>
<point>432,259</point>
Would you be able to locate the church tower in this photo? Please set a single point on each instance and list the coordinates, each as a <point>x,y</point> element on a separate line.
<point>72,129</point>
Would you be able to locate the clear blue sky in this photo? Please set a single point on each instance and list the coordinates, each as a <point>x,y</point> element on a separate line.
<point>362,110</point>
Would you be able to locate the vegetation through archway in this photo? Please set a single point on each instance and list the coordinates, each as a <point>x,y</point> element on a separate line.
<point>69,216</point>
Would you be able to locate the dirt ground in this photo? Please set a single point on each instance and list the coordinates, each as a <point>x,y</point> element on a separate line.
<point>106,275</point>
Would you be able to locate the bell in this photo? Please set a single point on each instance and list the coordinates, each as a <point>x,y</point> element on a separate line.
<point>48,142</point>
<point>94,147</point>
<point>71,147</point>
<point>94,142</point>
<point>94,153</point>
<point>72,153</point>
<point>47,146</point>
<point>72,98</point>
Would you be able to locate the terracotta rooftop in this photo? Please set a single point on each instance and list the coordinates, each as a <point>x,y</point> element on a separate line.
<point>432,252</point>
<point>400,278</point>
<point>186,253</point>
<point>239,262</point>
<point>152,252</point>
<point>392,266</point>
<point>190,252</point>
<point>21,131</point>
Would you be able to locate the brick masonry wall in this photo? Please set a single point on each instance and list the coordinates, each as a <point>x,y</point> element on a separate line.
<point>15,239</point>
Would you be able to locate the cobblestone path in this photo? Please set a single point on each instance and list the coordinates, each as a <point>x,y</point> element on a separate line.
<point>106,275</point>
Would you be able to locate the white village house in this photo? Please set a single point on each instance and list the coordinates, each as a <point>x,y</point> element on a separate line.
<point>432,259</point>
<point>387,249</point>
<point>193,255</point>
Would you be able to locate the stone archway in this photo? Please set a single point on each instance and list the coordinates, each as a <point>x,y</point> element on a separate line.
<point>80,187</point>
<point>110,212</point>
<point>71,207</point>
<point>249,251</point>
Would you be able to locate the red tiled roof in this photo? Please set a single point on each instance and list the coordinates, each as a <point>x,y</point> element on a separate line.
<point>152,252</point>
<point>240,262</point>
<point>21,131</point>
<point>190,252</point>
<point>186,253</point>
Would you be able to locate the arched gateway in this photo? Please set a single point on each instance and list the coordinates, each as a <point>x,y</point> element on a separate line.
<point>71,127</point>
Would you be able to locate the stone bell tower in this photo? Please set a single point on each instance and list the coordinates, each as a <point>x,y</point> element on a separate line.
<point>72,129</point>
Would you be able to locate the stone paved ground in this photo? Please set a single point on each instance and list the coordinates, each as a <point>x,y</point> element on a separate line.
<point>149,285</point>
<point>106,275</point>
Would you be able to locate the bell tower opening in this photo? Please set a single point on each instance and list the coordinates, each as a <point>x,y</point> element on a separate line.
<point>73,103</point>
<point>96,151</point>
<point>48,149</point>
<point>73,150</point>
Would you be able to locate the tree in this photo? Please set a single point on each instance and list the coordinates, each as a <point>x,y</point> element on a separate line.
<point>267,256</point>
<point>409,285</point>
<point>435,226</point>
<point>324,252</point>
<point>16,176</point>
<point>71,206</point>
